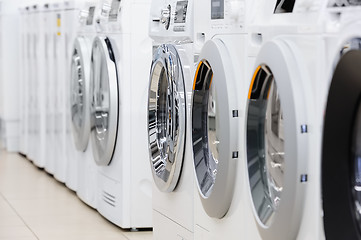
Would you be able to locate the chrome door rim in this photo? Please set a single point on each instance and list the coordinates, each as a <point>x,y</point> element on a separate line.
<point>166,117</point>
<point>104,104</point>
<point>80,92</point>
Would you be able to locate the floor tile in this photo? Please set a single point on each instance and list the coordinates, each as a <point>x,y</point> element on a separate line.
<point>33,205</point>
<point>10,232</point>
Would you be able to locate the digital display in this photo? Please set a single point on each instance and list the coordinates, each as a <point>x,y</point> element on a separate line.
<point>89,20</point>
<point>114,10</point>
<point>181,12</point>
<point>217,9</point>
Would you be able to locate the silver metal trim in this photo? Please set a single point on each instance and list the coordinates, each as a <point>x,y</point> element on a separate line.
<point>104,102</point>
<point>80,92</point>
<point>166,117</point>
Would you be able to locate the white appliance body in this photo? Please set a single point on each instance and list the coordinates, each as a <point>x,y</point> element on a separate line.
<point>80,105</point>
<point>174,49</point>
<point>120,56</point>
<point>222,209</point>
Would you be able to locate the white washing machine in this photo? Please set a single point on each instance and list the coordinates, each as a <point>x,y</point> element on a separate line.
<point>23,80</point>
<point>31,64</point>
<point>282,134</point>
<point>120,62</point>
<point>218,112</point>
<point>340,139</point>
<point>38,85</point>
<point>173,27</point>
<point>50,73</point>
<point>72,10</point>
<point>60,76</point>
<point>80,104</point>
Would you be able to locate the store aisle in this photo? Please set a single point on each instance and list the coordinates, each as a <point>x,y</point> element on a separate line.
<point>33,205</point>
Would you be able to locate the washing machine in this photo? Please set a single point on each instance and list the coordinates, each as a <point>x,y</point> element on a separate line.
<point>31,63</point>
<point>281,148</point>
<point>72,10</point>
<point>23,80</point>
<point>121,56</point>
<point>58,20</point>
<point>176,30</point>
<point>218,112</point>
<point>38,85</point>
<point>80,104</point>
<point>50,73</point>
<point>340,98</point>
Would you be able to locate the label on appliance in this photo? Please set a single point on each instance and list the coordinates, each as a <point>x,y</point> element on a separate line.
<point>89,20</point>
<point>114,11</point>
<point>217,9</point>
<point>58,23</point>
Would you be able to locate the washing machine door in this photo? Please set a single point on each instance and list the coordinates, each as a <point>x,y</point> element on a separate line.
<point>80,92</point>
<point>215,128</point>
<point>276,131</point>
<point>341,154</point>
<point>166,117</point>
<point>104,101</point>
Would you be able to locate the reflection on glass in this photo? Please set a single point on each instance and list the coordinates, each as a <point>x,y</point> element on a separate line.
<point>204,129</point>
<point>166,117</point>
<point>356,176</point>
<point>100,98</point>
<point>77,92</point>
<point>265,144</point>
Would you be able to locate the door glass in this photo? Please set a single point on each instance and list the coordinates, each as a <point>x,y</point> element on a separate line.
<point>265,144</point>
<point>77,92</point>
<point>166,117</point>
<point>356,176</point>
<point>205,129</point>
<point>100,99</point>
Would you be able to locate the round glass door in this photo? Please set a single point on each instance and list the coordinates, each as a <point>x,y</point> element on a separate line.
<point>341,154</point>
<point>104,101</point>
<point>79,92</point>
<point>265,144</point>
<point>215,128</point>
<point>166,117</point>
<point>276,140</point>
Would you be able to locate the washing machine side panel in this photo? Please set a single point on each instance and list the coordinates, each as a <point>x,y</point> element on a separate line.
<point>141,177</point>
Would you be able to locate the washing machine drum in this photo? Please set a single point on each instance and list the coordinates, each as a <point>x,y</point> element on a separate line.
<point>79,92</point>
<point>341,157</point>
<point>104,101</point>
<point>166,117</point>
<point>277,141</point>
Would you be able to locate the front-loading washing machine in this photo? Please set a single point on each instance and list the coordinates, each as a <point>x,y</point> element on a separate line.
<point>50,73</point>
<point>339,114</point>
<point>31,87</point>
<point>225,62</point>
<point>23,80</point>
<point>80,104</point>
<point>58,20</point>
<point>38,85</point>
<point>121,55</point>
<point>72,10</point>
<point>175,27</point>
<point>283,165</point>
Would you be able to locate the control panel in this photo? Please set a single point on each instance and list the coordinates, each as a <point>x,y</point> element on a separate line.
<point>344,3</point>
<point>114,11</point>
<point>228,15</point>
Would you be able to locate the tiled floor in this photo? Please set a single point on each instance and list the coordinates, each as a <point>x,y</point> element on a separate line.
<point>33,205</point>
